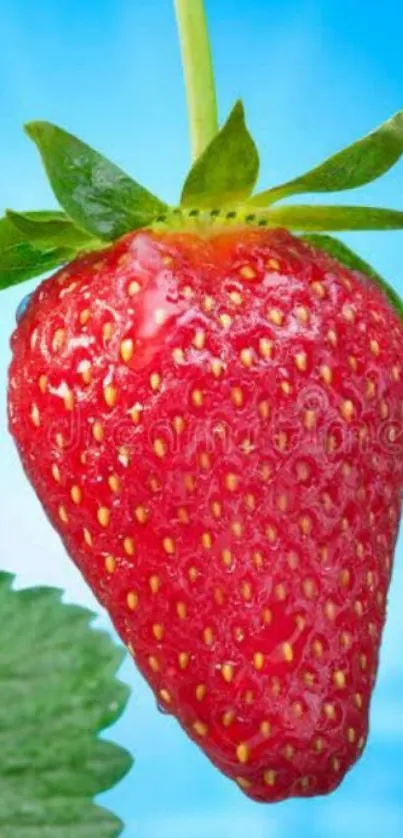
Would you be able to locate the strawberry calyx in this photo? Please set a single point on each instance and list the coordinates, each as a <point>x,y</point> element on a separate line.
<point>100,203</point>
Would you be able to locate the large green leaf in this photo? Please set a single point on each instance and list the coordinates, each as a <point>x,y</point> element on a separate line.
<point>338,250</point>
<point>21,260</point>
<point>318,219</point>
<point>58,690</point>
<point>360,163</point>
<point>51,229</point>
<point>95,193</point>
<point>227,170</point>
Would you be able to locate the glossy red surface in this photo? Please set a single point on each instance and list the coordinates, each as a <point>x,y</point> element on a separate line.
<point>213,423</point>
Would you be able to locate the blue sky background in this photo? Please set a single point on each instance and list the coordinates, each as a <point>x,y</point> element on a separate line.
<point>314,74</point>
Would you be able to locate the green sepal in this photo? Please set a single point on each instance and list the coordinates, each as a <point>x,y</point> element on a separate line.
<point>358,164</point>
<point>98,196</point>
<point>338,250</point>
<point>48,229</point>
<point>58,691</point>
<point>226,172</point>
<point>21,260</point>
<point>319,218</point>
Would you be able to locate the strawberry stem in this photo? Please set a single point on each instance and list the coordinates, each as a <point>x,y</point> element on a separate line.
<point>199,73</point>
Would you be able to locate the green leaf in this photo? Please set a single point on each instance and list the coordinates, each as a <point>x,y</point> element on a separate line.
<point>227,170</point>
<point>51,229</point>
<point>95,193</point>
<point>358,164</point>
<point>57,691</point>
<point>20,260</point>
<point>317,219</point>
<point>338,250</point>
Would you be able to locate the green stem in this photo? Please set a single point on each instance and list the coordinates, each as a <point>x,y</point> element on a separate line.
<point>199,73</point>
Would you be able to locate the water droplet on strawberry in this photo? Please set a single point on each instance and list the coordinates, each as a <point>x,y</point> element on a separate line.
<point>22,307</point>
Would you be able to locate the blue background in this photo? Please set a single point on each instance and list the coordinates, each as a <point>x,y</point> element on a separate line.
<point>314,76</point>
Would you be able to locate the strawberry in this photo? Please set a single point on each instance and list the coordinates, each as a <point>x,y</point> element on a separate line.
<point>212,424</point>
<point>209,409</point>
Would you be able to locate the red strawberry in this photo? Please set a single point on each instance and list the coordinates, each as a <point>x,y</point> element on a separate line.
<point>212,422</point>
